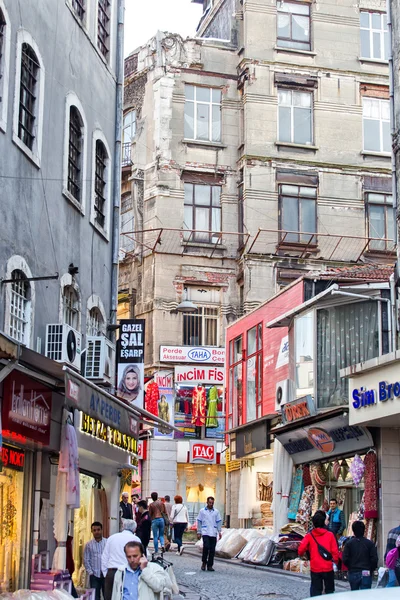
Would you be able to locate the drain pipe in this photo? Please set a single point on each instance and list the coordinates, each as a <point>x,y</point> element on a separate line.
<point>117,164</point>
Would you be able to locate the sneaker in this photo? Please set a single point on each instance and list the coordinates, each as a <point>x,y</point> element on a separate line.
<point>177,553</point>
<point>181,550</point>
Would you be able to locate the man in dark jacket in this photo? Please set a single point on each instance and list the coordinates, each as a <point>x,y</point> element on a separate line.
<point>360,557</point>
<point>125,507</point>
<point>321,569</point>
<point>143,523</point>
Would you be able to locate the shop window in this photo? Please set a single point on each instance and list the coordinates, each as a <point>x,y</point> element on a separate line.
<point>304,354</point>
<point>293,25</point>
<point>186,413</point>
<point>202,113</point>
<point>254,374</point>
<point>380,221</point>
<point>298,213</point>
<point>202,213</point>
<point>20,308</point>
<point>201,328</point>
<point>374,35</point>
<point>235,398</point>
<point>295,124</point>
<point>197,482</point>
<point>346,335</point>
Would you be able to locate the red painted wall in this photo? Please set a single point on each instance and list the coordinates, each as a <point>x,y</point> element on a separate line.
<point>286,300</point>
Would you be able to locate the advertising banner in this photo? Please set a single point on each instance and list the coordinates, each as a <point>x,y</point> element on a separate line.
<point>130,361</point>
<point>206,375</point>
<point>165,406</point>
<point>27,407</point>
<point>192,354</point>
<point>202,452</point>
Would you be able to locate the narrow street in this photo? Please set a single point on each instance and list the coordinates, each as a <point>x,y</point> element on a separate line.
<point>234,582</point>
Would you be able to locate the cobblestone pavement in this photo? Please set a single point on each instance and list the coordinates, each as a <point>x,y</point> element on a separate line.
<point>234,582</point>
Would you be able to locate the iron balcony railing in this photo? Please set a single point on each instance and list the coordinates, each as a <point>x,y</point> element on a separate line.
<point>126,154</point>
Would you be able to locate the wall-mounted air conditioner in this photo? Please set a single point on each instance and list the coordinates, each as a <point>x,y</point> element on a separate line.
<point>284,393</point>
<point>63,344</point>
<point>100,359</point>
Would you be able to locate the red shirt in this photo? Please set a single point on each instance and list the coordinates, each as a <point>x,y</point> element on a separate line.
<point>326,539</point>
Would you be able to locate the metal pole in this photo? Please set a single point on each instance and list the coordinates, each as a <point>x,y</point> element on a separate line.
<point>117,163</point>
<point>392,120</point>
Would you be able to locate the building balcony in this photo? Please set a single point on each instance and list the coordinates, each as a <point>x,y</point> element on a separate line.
<point>126,155</point>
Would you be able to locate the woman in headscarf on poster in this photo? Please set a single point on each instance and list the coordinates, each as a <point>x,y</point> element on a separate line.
<point>129,387</point>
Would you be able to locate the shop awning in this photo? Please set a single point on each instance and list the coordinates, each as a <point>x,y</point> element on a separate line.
<point>323,437</point>
<point>252,423</point>
<point>99,404</point>
<point>8,347</point>
<point>285,319</point>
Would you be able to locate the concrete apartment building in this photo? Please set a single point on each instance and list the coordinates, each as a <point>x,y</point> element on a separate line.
<point>256,152</point>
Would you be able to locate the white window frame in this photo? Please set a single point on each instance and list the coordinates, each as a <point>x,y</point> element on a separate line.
<point>381,121</point>
<point>5,68</point>
<point>24,37</point>
<point>18,263</point>
<point>386,205</point>
<point>280,41</point>
<point>204,317</point>
<point>68,281</point>
<point>105,232</point>
<point>382,32</point>
<point>95,303</point>
<point>292,127</point>
<point>73,100</point>
<point>127,113</point>
<point>210,104</point>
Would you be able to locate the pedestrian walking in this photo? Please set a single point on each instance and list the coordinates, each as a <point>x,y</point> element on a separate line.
<point>167,529</point>
<point>126,507</point>
<point>114,556</point>
<point>394,574</point>
<point>360,557</point>
<point>138,579</point>
<point>135,499</point>
<point>179,519</point>
<point>209,525</point>
<point>335,519</point>
<point>323,549</point>
<point>143,530</point>
<point>156,511</point>
<point>92,558</point>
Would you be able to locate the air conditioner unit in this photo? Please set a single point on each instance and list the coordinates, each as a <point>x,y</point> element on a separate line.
<point>63,344</point>
<point>284,393</point>
<point>100,359</point>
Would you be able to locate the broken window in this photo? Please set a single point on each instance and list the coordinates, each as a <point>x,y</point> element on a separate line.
<point>202,113</point>
<point>293,25</point>
<point>295,117</point>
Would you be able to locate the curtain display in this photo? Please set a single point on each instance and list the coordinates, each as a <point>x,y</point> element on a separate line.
<point>245,509</point>
<point>346,335</point>
<point>296,492</point>
<point>11,491</point>
<point>277,491</point>
<point>371,499</point>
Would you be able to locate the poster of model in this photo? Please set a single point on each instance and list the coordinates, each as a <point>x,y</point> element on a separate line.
<point>165,404</point>
<point>130,361</point>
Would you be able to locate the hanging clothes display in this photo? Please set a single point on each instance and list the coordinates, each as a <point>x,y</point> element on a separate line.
<point>295,494</point>
<point>199,406</point>
<point>163,413</point>
<point>212,420</point>
<point>69,464</point>
<point>152,397</point>
<point>371,499</point>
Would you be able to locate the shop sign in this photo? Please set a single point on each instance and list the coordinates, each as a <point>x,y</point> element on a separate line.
<point>99,406</point>
<point>283,354</point>
<point>201,374</point>
<point>203,452</point>
<point>321,440</point>
<point>12,458</point>
<point>298,409</point>
<point>27,407</point>
<point>251,440</point>
<point>104,432</point>
<point>192,354</point>
<point>130,361</point>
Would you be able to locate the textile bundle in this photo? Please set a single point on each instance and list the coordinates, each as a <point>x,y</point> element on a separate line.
<point>305,506</point>
<point>296,492</point>
<point>371,490</point>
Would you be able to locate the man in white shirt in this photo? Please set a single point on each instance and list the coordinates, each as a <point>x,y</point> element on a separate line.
<point>209,525</point>
<point>92,558</point>
<point>114,554</point>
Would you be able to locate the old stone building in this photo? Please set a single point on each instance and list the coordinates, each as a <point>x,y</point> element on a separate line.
<point>256,152</point>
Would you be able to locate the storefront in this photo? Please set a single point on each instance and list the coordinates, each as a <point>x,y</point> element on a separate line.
<point>201,473</point>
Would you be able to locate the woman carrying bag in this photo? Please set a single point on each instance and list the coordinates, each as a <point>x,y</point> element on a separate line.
<point>179,520</point>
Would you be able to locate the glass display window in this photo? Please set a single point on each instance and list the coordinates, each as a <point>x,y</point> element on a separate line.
<point>185,408</point>
<point>11,492</point>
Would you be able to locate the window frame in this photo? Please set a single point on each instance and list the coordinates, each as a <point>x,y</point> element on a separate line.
<point>103,44</point>
<point>4,67</point>
<point>293,90</point>
<point>34,154</point>
<point>70,307</point>
<point>210,105</point>
<point>18,263</point>
<point>257,355</point>
<point>381,121</point>
<point>192,234</point>
<point>95,302</point>
<point>281,39</point>
<point>73,101</point>
<point>20,316</point>
<point>203,317</point>
<point>235,413</point>
<point>386,206</point>
<point>104,231</point>
<point>384,39</point>
<point>313,241</point>
<point>80,9</point>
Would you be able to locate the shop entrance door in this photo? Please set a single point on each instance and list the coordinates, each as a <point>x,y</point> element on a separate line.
<point>11,503</point>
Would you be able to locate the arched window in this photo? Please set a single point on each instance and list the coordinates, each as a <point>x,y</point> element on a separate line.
<point>95,324</point>
<point>70,307</point>
<point>100,184</point>
<point>28,96</point>
<point>20,307</point>
<point>75,147</point>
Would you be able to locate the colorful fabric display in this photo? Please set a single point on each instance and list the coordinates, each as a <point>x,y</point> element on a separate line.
<point>306,476</point>
<point>295,494</point>
<point>305,506</point>
<point>344,469</point>
<point>357,469</point>
<point>212,420</point>
<point>199,406</point>
<point>336,470</point>
<point>371,489</point>
<point>152,398</point>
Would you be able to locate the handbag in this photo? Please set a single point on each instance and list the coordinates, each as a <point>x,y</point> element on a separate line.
<point>323,552</point>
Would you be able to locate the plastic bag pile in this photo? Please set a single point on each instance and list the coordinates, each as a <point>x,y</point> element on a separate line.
<point>30,595</point>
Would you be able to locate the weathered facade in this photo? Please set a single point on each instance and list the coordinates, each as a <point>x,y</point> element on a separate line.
<point>298,147</point>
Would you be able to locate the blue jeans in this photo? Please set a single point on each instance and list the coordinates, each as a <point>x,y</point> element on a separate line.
<point>157,527</point>
<point>97,583</point>
<point>358,581</point>
<point>392,578</point>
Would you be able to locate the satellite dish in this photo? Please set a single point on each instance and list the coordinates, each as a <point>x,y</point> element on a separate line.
<point>71,346</point>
